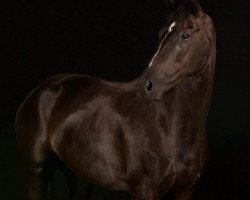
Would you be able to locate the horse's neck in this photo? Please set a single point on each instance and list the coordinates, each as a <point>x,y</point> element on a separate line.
<point>190,102</point>
<point>193,95</point>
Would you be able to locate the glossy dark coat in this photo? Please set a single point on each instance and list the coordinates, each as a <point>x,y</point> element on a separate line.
<point>146,136</point>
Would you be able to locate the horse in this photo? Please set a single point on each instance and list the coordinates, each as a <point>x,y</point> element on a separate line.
<point>146,136</point>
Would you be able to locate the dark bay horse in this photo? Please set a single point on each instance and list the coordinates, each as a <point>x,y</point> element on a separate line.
<point>146,136</point>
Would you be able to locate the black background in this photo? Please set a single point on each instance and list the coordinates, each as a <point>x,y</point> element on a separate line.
<point>114,40</point>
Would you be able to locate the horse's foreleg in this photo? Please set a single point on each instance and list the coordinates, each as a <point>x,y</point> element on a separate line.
<point>145,191</point>
<point>185,195</point>
<point>79,189</point>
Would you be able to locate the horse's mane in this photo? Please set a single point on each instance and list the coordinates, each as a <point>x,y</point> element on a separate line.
<point>182,9</point>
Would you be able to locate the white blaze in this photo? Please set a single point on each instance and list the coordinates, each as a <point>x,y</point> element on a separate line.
<point>170,29</point>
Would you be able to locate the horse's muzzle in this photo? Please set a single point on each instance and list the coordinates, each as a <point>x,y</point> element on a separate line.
<point>148,90</point>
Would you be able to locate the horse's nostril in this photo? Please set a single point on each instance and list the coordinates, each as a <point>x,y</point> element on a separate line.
<point>149,86</point>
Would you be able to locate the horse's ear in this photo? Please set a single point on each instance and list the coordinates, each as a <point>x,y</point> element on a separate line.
<point>192,4</point>
<point>195,6</point>
<point>172,4</point>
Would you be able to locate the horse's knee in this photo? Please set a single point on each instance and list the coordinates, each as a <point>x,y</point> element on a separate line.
<point>145,191</point>
<point>38,178</point>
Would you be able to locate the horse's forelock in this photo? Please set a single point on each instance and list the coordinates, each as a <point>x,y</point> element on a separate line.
<point>184,6</point>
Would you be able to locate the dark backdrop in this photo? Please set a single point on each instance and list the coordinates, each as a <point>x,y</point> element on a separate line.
<point>114,40</point>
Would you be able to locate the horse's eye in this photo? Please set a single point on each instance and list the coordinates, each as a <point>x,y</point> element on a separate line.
<point>185,36</point>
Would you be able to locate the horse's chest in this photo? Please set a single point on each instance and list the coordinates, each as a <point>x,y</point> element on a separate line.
<point>182,173</point>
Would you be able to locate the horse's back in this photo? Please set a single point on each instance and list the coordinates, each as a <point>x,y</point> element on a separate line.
<point>34,115</point>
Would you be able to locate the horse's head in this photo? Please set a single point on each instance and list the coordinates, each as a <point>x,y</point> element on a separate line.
<point>186,48</point>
